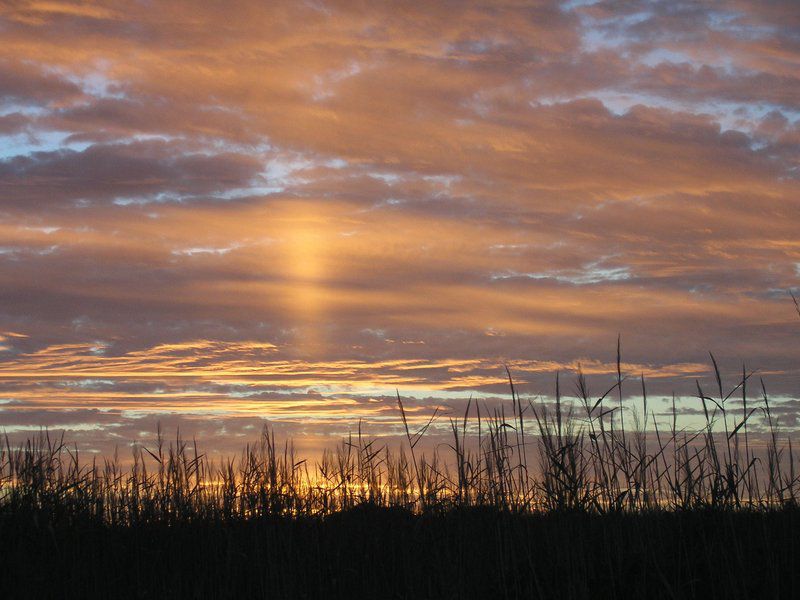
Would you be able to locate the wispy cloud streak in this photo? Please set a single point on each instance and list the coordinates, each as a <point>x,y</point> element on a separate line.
<point>393,195</point>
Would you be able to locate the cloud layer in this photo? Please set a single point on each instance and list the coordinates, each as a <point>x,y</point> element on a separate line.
<point>213,215</point>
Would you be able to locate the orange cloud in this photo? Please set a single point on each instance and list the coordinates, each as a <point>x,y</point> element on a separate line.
<point>267,208</point>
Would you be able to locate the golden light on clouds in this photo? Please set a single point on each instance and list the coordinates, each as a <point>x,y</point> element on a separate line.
<point>286,210</point>
<point>307,250</point>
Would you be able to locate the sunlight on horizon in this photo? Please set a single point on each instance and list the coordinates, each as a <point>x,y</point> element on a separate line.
<point>289,211</point>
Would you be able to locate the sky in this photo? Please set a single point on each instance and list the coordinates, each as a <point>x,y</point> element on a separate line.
<point>219,214</point>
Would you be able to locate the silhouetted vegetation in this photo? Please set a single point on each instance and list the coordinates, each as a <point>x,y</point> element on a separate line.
<point>571,498</point>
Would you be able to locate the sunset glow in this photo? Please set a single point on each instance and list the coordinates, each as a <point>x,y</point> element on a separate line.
<point>212,218</point>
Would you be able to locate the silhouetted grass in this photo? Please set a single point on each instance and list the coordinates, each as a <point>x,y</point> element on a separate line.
<point>546,500</point>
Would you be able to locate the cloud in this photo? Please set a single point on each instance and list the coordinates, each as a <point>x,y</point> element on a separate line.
<point>139,172</point>
<point>390,195</point>
<point>24,83</point>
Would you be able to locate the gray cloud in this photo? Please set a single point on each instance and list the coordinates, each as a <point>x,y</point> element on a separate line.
<point>361,185</point>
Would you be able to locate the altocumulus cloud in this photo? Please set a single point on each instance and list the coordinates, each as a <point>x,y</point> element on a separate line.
<point>212,215</point>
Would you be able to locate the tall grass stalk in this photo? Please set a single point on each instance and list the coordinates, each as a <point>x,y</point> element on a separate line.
<point>532,456</point>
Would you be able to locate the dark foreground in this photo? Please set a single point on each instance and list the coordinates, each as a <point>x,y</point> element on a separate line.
<point>391,553</point>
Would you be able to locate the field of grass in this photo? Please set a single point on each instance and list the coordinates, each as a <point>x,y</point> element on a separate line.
<point>569,499</point>
<point>371,552</point>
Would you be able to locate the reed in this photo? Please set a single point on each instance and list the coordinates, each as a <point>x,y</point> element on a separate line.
<point>529,456</point>
<point>528,499</point>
